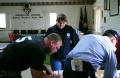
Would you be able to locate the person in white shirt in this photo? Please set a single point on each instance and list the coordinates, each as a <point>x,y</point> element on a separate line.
<point>94,51</point>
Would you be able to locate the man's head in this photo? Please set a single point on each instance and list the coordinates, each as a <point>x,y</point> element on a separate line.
<point>61,21</point>
<point>112,34</point>
<point>53,42</point>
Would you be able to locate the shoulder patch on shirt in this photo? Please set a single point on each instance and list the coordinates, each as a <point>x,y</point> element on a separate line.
<point>68,35</point>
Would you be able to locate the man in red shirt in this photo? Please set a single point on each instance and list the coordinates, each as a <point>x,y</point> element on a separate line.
<point>115,33</point>
<point>118,50</point>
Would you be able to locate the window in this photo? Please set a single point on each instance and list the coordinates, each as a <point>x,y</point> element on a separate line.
<point>97,19</point>
<point>2,20</point>
<point>53,17</point>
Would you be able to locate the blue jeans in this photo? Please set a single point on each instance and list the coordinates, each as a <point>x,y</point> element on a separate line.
<point>88,70</point>
<point>57,64</point>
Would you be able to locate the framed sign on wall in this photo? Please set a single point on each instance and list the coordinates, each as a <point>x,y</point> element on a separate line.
<point>106,4</point>
<point>114,7</point>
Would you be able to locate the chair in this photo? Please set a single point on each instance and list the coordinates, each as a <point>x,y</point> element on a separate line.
<point>35,31</point>
<point>30,31</point>
<point>23,31</point>
<point>15,31</point>
<point>43,32</point>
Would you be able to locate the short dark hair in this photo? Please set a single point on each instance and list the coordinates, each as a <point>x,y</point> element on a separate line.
<point>110,33</point>
<point>54,37</point>
<point>61,17</point>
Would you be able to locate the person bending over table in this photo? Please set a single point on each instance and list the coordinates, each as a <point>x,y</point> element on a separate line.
<point>28,52</point>
<point>92,51</point>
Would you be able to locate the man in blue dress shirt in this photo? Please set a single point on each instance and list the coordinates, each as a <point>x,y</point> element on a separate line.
<point>93,51</point>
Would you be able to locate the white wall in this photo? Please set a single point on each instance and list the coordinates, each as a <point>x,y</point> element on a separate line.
<point>72,12</point>
<point>112,22</point>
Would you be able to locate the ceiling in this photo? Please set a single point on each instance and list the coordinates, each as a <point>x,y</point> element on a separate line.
<point>45,2</point>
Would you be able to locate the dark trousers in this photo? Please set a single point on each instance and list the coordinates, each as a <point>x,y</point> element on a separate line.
<point>8,74</point>
<point>88,70</point>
